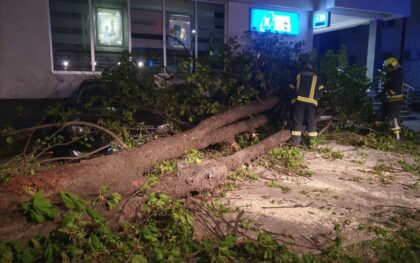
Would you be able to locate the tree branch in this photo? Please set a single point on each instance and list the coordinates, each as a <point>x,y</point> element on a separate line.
<point>79,157</point>
<point>75,123</point>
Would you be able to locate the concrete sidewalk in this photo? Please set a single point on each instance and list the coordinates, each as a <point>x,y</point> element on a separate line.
<point>413,124</point>
<point>353,190</point>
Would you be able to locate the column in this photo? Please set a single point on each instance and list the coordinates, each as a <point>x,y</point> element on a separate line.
<point>373,49</point>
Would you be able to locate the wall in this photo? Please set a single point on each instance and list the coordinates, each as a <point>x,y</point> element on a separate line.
<point>391,44</point>
<point>238,22</point>
<point>391,34</point>
<point>301,5</point>
<point>412,40</point>
<point>400,7</point>
<point>25,64</point>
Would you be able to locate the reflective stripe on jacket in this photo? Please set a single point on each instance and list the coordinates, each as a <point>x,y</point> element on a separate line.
<point>308,88</point>
<point>393,85</point>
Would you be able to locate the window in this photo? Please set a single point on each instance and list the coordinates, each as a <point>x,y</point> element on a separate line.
<point>70,35</point>
<point>180,23</point>
<point>90,35</point>
<point>111,32</point>
<point>147,31</point>
<point>211,28</point>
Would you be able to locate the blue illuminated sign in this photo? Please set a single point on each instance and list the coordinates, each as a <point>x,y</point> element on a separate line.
<point>274,21</point>
<point>321,19</point>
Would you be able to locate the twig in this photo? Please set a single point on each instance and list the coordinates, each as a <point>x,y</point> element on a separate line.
<point>167,116</point>
<point>238,220</point>
<point>291,206</point>
<point>220,233</point>
<point>203,222</point>
<point>314,245</point>
<point>76,158</point>
<point>59,144</point>
<point>284,241</point>
<point>75,123</point>
<point>239,232</point>
<point>330,122</point>
<point>28,141</point>
<point>263,79</point>
<point>394,206</point>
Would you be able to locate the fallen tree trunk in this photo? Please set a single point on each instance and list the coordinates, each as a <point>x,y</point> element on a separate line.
<point>188,181</point>
<point>123,171</point>
<point>204,177</point>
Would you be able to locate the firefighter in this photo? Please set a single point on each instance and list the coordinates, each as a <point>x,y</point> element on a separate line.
<point>391,96</point>
<point>304,105</point>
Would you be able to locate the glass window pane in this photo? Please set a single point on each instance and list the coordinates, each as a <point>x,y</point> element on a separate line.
<point>111,32</point>
<point>180,23</point>
<point>147,31</point>
<point>211,27</point>
<point>70,35</point>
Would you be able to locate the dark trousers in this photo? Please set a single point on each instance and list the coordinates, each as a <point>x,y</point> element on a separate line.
<point>303,113</point>
<point>390,112</point>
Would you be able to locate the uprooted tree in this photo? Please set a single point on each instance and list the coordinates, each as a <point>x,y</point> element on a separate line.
<point>220,101</point>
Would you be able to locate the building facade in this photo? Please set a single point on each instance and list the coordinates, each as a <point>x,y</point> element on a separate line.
<point>47,47</point>
<point>398,37</point>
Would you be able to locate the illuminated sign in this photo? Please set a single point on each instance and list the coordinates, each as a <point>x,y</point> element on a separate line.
<point>179,31</point>
<point>109,27</point>
<point>321,19</point>
<point>274,21</point>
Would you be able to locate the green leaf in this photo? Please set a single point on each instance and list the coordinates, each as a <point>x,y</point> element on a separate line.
<point>95,216</point>
<point>36,217</point>
<point>164,197</point>
<point>70,218</point>
<point>67,201</point>
<point>104,190</point>
<point>94,242</point>
<point>38,208</point>
<point>138,259</point>
<point>50,213</point>
<point>72,201</point>
<point>114,200</point>
<point>40,202</point>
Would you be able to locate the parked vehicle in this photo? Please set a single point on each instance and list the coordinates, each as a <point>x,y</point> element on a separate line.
<point>90,103</point>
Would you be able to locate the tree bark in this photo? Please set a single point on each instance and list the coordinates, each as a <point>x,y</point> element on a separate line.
<point>123,171</point>
<point>193,179</point>
<point>206,176</point>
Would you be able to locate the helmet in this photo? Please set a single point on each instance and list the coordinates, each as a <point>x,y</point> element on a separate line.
<point>390,62</point>
<point>309,67</point>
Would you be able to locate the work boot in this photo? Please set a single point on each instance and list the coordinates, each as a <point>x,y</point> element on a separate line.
<point>295,141</point>
<point>313,141</point>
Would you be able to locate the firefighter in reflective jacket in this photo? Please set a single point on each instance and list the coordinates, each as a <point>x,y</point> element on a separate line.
<point>392,96</point>
<point>307,92</point>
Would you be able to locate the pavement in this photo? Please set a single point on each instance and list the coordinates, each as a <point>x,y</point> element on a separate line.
<point>413,124</point>
<point>366,187</point>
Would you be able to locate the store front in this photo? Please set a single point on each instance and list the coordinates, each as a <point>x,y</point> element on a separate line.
<point>49,46</point>
<point>90,35</point>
